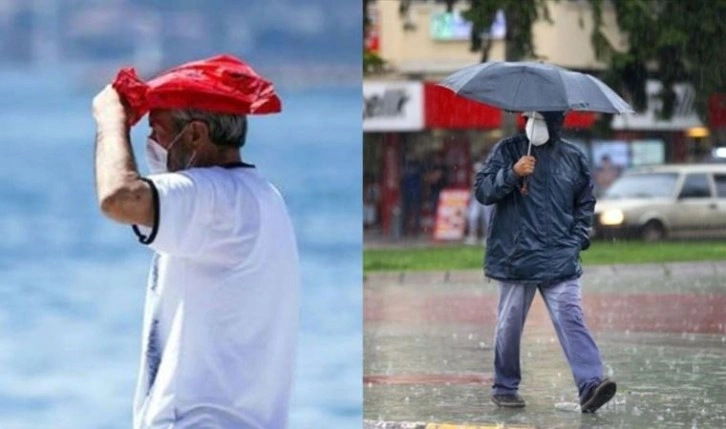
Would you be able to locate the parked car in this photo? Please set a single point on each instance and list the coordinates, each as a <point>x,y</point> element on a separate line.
<point>666,201</point>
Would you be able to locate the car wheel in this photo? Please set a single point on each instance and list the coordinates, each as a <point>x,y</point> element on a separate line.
<point>653,231</point>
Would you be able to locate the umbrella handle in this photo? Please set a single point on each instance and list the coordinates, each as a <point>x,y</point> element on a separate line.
<point>529,147</point>
<point>523,189</point>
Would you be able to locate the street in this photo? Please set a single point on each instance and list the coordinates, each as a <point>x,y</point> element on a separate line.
<point>661,330</point>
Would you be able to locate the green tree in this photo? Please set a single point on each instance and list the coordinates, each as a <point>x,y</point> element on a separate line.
<point>675,41</point>
<point>520,16</point>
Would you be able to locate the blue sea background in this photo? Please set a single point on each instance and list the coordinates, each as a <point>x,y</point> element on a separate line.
<point>72,282</point>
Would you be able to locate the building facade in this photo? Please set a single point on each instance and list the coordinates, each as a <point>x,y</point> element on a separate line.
<point>447,135</point>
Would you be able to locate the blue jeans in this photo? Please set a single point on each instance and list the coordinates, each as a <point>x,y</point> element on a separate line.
<point>564,303</point>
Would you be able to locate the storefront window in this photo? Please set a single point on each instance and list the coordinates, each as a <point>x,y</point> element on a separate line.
<point>420,166</point>
<point>647,152</point>
<point>610,159</point>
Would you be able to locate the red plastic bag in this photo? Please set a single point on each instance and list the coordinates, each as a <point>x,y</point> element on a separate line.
<point>221,84</point>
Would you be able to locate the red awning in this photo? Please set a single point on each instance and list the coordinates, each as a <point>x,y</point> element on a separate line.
<point>444,109</point>
<point>583,120</point>
<point>573,120</point>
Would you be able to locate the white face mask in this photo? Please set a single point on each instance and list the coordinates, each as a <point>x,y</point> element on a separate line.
<point>157,157</point>
<point>536,129</point>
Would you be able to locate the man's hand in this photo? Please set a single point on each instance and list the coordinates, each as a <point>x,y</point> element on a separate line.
<point>108,109</point>
<point>525,166</point>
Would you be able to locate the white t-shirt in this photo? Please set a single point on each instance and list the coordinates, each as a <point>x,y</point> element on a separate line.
<point>221,315</point>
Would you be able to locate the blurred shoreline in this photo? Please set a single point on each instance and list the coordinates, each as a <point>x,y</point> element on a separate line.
<point>286,77</point>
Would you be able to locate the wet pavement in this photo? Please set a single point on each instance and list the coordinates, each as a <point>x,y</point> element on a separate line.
<point>661,331</point>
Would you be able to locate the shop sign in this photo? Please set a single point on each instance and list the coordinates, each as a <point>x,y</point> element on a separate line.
<point>451,26</point>
<point>451,214</point>
<point>448,26</point>
<point>392,106</point>
<point>372,34</point>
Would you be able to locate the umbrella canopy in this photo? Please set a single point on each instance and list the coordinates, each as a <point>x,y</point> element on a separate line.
<point>534,87</point>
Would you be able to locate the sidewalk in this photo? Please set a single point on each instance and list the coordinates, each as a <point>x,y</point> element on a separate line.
<point>661,329</point>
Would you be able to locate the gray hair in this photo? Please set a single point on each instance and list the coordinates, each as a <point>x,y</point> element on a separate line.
<point>224,130</point>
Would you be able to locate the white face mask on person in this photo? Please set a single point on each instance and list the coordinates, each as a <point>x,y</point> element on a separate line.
<point>157,157</point>
<point>536,130</point>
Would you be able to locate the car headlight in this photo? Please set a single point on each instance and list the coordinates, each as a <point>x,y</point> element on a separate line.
<point>612,217</point>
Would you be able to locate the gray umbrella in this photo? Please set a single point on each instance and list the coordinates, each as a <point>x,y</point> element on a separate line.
<point>534,87</point>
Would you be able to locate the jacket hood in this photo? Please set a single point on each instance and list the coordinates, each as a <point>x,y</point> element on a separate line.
<point>555,122</point>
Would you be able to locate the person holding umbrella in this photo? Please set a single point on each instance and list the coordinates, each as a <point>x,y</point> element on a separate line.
<point>534,244</point>
<point>542,192</point>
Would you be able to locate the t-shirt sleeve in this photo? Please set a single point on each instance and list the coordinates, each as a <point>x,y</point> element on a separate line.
<point>182,202</point>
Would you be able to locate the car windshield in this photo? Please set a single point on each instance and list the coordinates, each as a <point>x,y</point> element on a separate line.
<point>650,185</point>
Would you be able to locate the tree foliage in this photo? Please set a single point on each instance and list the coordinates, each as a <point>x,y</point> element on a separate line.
<point>674,41</point>
<point>520,15</point>
<point>670,40</point>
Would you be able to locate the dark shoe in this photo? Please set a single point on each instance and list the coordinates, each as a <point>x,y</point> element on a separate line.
<point>598,396</point>
<point>508,400</point>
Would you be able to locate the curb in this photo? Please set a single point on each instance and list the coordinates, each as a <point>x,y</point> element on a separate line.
<point>664,270</point>
<point>371,424</point>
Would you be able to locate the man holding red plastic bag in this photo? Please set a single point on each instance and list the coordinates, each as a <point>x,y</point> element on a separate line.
<point>221,314</point>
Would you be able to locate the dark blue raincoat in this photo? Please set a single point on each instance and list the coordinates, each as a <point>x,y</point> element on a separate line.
<point>537,238</point>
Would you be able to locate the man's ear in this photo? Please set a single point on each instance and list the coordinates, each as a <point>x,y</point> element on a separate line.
<point>199,133</point>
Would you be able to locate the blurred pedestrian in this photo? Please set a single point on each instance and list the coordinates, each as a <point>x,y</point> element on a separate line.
<point>412,194</point>
<point>606,173</point>
<point>437,178</point>
<point>371,200</point>
<point>478,214</point>
<point>534,244</point>
<point>221,314</point>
